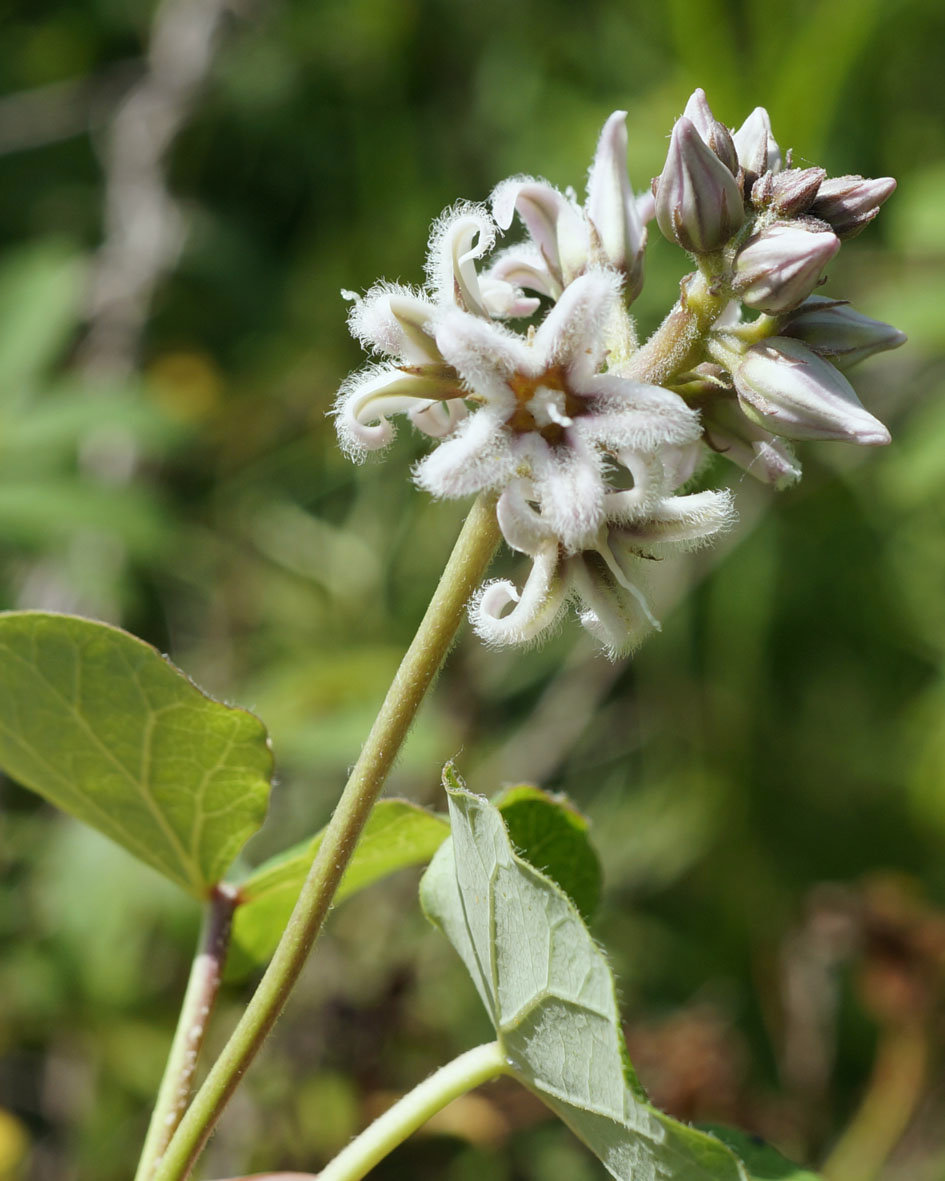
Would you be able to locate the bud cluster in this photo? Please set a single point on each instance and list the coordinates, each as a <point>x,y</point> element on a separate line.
<point>585,436</point>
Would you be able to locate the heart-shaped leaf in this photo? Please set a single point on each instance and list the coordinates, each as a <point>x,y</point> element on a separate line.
<point>110,731</point>
<point>550,993</point>
<point>397,834</point>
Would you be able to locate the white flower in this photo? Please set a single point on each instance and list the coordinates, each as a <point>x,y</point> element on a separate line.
<point>602,578</point>
<point>544,411</point>
<point>567,238</point>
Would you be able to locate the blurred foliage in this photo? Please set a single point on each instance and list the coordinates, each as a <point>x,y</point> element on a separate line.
<point>785,729</point>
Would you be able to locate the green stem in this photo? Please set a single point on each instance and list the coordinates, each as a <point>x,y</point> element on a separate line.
<point>679,342</point>
<point>467,564</point>
<point>413,1110</point>
<point>202,987</point>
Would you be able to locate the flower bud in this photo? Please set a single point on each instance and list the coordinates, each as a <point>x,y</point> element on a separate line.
<point>834,329</point>
<point>751,447</point>
<point>788,193</point>
<point>849,203</point>
<point>698,203</point>
<point>714,133</point>
<point>755,146</point>
<point>612,207</point>
<point>778,268</point>
<point>786,388</point>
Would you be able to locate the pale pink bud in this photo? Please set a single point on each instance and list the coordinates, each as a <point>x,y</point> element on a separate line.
<point>757,150</point>
<point>778,268</point>
<point>612,207</point>
<point>714,133</point>
<point>834,329</point>
<point>787,389</point>
<point>698,203</point>
<point>849,203</point>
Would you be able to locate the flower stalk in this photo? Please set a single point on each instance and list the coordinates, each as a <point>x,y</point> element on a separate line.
<point>467,564</point>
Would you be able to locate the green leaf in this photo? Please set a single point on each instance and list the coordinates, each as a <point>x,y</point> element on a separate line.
<point>396,835</point>
<point>110,731</point>
<point>763,1162</point>
<point>551,835</point>
<point>551,997</point>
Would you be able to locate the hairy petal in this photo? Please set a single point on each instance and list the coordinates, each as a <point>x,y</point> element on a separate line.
<point>461,236</point>
<point>369,396</point>
<point>535,609</point>
<point>394,320</point>
<point>476,456</point>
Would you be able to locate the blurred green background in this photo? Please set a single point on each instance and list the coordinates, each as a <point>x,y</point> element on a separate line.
<point>183,192</point>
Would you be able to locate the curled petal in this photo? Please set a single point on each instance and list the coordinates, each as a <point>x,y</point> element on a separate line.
<point>555,223</point>
<point>462,235</point>
<point>394,320</point>
<point>649,486</point>
<point>367,399</point>
<point>521,524</point>
<point>536,608</point>
<point>523,266</point>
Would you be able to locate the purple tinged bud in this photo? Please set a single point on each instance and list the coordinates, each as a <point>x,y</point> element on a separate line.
<point>778,268</point>
<point>849,203</point>
<point>715,134</point>
<point>612,207</point>
<point>788,193</point>
<point>834,329</point>
<point>698,203</point>
<point>755,146</point>
<point>786,388</point>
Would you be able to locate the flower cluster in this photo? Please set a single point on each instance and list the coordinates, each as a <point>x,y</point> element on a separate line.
<point>585,435</point>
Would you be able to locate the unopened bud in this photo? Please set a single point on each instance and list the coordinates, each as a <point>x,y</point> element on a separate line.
<point>755,146</point>
<point>698,203</point>
<point>746,444</point>
<point>778,268</point>
<point>834,329</point>
<point>612,207</point>
<point>788,193</point>
<point>786,388</point>
<point>849,203</point>
<point>714,133</point>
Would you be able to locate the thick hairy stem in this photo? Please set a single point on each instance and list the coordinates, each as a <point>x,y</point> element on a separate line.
<point>464,570</point>
<point>198,1003</point>
<point>678,343</point>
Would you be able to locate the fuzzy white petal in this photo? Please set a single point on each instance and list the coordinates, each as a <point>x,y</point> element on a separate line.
<point>573,332</point>
<point>536,608</point>
<point>477,455</point>
<point>461,236</point>
<point>369,396</point>
<point>393,319</point>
